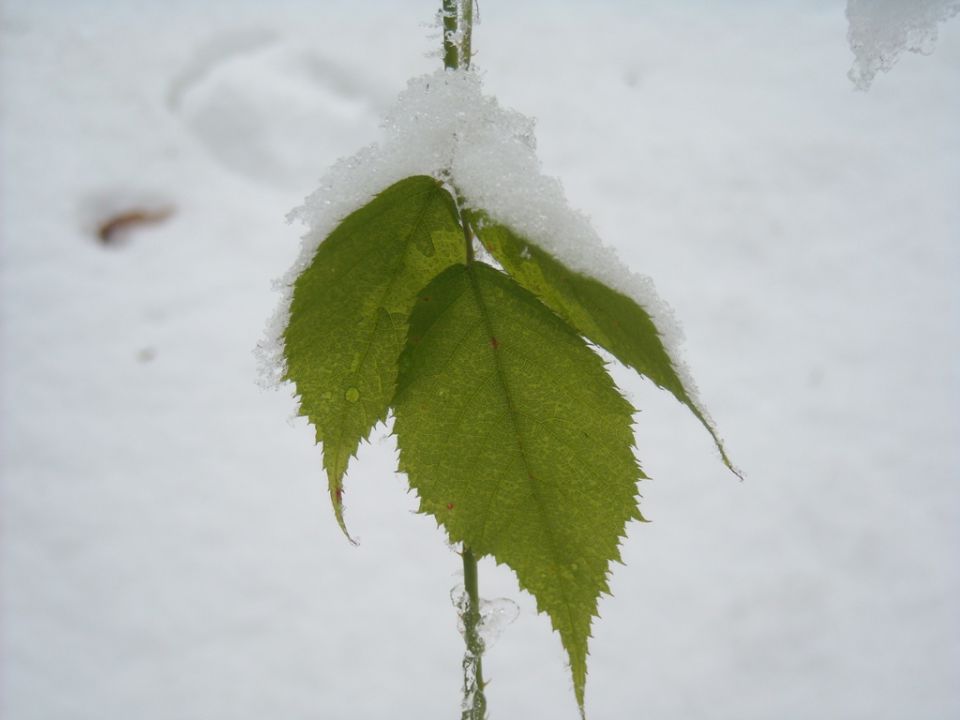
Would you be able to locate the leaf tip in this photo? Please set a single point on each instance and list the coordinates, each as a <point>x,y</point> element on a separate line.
<point>727,461</point>
<point>336,466</point>
<point>707,423</point>
<point>336,497</point>
<point>579,691</point>
<point>738,473</point>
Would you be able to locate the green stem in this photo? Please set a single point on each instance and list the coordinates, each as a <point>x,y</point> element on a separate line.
<point>474,700</point>
<point>458,15</point>
<point>467,27</point>
<point>457,33</point>
<point>451,54</point>
<point>467,235</point>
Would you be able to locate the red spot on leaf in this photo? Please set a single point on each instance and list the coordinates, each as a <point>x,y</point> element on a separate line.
<point>494,343</point>
<point>339,493</point>
<point>450,506</point>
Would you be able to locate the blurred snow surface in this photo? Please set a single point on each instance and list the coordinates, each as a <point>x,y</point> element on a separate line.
<point>167,546</point>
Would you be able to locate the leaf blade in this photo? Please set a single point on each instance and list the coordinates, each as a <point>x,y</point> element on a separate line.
<point>517,441</point>
<point>606,317</point>
<point>348,314</point>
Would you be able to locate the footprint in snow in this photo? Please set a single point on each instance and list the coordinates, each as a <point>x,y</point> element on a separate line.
<point>272,110</point>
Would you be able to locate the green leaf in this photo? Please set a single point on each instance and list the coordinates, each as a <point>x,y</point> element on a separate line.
<point>606,317</point>
<point>517,442</point>
<point>348,315</point>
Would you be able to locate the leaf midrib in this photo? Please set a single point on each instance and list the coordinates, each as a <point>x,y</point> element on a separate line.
<point>511,407</point>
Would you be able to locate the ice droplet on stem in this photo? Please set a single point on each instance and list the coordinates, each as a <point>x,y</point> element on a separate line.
<point>495,615</point>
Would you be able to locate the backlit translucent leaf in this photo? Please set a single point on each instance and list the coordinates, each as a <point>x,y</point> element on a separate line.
<point>348,316</point>
<point>517,442</point>
<point>604,316</point>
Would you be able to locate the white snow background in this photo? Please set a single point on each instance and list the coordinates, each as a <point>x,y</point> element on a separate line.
<point>168,550</point>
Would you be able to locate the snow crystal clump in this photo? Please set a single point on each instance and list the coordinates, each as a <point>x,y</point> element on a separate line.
<point>880,30</point>
<point>443,126</point>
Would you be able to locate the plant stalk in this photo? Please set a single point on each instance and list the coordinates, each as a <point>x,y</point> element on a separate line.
<point>466,8</point>
<point>457,30</point>
<point>467,235</point>
<point>457,33</point>
<point>451,53</point>
<point>474,700</point>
